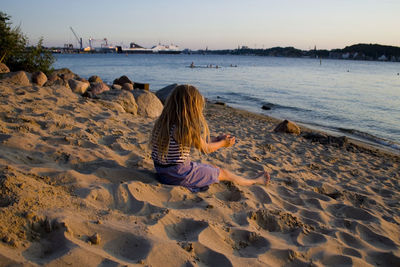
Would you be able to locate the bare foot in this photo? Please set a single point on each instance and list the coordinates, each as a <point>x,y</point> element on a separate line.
<point>263,178</point>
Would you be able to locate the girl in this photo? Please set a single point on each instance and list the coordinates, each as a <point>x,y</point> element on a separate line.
<point>181,126</point>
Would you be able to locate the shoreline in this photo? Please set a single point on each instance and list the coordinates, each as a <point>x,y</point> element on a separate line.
<point>365,144</point>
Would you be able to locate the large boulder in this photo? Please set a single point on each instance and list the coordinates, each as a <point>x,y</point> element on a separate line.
<point>121,80</point>
<point>62,71</point>
<point>65,74</point>
<point>163,93</point>
<point>78,87</point>
<point>127,86</point>
<point>68,76</point>
<point>53,77</point>
<point>55,80</point>
<point>98,88</point>
<point>148,103</point>
<point>39,78</point>
<point>123,98</point>
<point>288,127</point>
<point>338,141</point>
<point>18,77</point>
<point>95,79</point>
<point>82,80</point>
<point>4,68</point>
<point>116,87</point>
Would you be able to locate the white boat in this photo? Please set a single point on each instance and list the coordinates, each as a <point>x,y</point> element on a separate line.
<point>166,49</point>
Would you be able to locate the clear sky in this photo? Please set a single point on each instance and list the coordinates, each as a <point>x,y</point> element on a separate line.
<point>215,24</point>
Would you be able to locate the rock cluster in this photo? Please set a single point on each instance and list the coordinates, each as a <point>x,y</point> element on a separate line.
<point>123,95</point>
<point>340,141</point>
<point>288,127</point>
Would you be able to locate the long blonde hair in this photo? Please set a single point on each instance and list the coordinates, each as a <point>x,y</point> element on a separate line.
<point>183,110</point>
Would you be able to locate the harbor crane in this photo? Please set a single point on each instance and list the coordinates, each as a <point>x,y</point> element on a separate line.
<point>103,45</point>
<point>77,38</point>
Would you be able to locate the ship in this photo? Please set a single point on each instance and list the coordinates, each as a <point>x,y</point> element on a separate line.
<point>157,49</point>
<point>134,49</point>
<point>166,49</point>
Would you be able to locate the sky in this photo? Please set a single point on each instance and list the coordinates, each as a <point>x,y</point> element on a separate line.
<point>212,24</point>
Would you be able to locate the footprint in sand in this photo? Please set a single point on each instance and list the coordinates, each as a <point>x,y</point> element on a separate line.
<point>383,259</point>
<point>209,257</point>
<point>249,244</point>
<point>313,203</point>
<point>123,200</point>
<point>129,247</point>
<point>240,218</point>
<point>376,240</point>
<point>185,230</point>
<point>337,260</point>
<point>51,245</point>
<point>261,195</point>
<point>278,221</point>
<point>351,252</point>
<point>231,193</point>
<point>344,211</point>
<point>351,240</point>
<point>311,239</point>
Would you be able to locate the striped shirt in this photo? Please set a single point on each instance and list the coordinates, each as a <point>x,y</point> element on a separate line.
<point>176,153</point>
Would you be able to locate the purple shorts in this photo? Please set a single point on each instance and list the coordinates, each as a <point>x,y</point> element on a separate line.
<point>193,175</point>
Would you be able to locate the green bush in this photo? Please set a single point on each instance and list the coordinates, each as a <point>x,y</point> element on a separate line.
<point>15,53</point>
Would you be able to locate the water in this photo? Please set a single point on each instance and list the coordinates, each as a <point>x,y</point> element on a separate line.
<point>357,98</point>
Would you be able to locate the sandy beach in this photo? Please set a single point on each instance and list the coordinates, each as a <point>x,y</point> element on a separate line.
<point>78,188</point>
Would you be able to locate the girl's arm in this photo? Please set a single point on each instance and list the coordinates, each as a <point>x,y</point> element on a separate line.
<point>222,141</point>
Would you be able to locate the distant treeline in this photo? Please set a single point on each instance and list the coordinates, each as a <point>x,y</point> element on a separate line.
<point>357,52</point>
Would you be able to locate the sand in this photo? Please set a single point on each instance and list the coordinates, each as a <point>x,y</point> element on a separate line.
<point>78,188</point>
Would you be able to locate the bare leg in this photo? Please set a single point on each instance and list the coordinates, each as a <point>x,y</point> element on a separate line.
<point>225,175</point>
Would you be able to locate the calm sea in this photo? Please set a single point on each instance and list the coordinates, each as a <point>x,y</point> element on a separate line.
<point>360,99</point>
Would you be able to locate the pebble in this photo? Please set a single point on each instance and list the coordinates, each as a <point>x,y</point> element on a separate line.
<point>95,239</point>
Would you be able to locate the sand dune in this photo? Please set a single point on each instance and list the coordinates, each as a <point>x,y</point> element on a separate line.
<point>78,188</point>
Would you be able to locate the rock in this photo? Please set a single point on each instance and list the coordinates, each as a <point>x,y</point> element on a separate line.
<point>121,80</point>
<point>116,87</point>
<point>58,82</point>
<point>18,77</point>
<point>123,98</point>
<point>288,127</point>
<point>266,107</point>
<point>95,79</point>
<point>39,78</point>
<point>98,88</point>
<point>78,87</point>
<point>127,86</point>
<point>82,80</point>
<point>341,141</point>
<point>62,71</point>
<point>4,68</point>
<point>220,103</point>
<point>142,86</point>
<point>53,77</point>
<point>163,93</point>
<point>95,239</point>
<point>68,76</point>
<point>148,103</point>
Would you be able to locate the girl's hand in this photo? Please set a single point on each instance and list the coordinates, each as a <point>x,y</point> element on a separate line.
<point>218,138</point>
<point>228,140</point>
